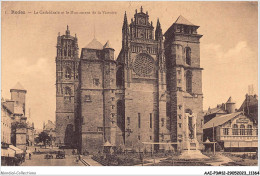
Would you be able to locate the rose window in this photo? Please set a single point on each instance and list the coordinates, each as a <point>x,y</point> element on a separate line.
<point>143,65</point>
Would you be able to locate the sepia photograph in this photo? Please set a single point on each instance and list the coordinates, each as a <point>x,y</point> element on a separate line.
<point>129,83</point>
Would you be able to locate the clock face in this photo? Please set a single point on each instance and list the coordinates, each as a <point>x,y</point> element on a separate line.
<point>143,65</point>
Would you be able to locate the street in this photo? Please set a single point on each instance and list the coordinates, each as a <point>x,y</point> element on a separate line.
<point>38,160</point>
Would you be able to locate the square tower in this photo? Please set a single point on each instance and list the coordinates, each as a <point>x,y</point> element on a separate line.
<point>184,84</point>
<point>67,62</point>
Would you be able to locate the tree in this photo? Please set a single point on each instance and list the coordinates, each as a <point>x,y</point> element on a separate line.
<point>44,137</point>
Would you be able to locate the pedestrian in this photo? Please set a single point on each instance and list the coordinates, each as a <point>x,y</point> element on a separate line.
<point>35,150</point>
<point>30,155</point>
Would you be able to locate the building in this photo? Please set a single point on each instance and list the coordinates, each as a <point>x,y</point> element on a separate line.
<point>30,134</point>
<point>221,109</point>
<point>250,107</point>
<point>6,121</point>
<point>232,130</point>
<point>16,107</point>
<point>140,98</point>
<point>49,128</point>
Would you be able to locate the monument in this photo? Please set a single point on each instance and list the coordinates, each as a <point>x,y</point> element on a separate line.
<point>190,144</point>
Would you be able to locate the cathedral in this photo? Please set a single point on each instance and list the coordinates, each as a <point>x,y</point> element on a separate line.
<point>137,101</point>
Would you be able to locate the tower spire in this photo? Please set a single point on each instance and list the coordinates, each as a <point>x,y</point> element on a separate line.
<point>141,8</point>
<point>67,31</point>
<point>125,24</point>
<point>158,31</point>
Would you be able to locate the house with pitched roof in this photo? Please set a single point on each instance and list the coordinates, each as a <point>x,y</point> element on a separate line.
<point>232,130</point>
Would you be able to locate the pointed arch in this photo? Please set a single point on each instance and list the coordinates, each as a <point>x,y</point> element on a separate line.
<point>67,73</point>
<point>120,77</point>
<point>67,91</point>
<point>188,55</point>
<point>189,81</point>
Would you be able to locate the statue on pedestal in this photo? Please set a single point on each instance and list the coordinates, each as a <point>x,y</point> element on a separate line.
<point>190,143</point>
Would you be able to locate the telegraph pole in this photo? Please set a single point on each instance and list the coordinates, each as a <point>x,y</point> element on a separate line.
<point>214,148</point>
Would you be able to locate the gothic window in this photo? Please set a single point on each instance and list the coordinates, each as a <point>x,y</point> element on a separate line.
<point>139,120</point>
<point>119,77</point>
<point>67,91</point>
<point>68,73</point>
<point>242,130</point>
<point>128,120</point>
<point>69,52</point>
<point>120,115</point>
<point>151,120</point>
<point>235,129</point>
<point>67,96</point>
<point>249,130</point>
<point>189,81</point>
<point>188,55</point>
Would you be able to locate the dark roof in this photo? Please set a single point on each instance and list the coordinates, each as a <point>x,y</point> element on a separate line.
<point>9,105</point>
<point>214,111</point>
<point>180,20</point>
<point>230,100</point>
<point>250,100</point>
<point>219,120</point>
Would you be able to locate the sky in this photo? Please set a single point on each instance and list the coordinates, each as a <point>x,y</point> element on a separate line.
<point>228,48</point>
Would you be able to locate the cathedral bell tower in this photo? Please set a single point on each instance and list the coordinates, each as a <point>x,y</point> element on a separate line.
<point>184,83</point>
<point>67,62</point>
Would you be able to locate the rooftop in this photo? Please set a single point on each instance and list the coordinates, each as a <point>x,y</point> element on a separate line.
<point>94,44</point>
<point>107,45</point>
<point>220,120</point>
<point>182,20</point>
<point>18,86</point>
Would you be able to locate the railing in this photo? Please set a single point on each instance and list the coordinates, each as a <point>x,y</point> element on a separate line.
<point>239,137</point>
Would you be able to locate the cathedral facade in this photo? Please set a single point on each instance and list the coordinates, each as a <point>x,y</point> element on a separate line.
<point>137,101</point>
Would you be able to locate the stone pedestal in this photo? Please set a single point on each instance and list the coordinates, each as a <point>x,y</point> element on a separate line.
<point>190,148</point>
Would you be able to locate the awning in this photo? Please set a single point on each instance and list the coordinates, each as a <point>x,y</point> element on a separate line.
<point>7,152</point>
<point>17,150</point>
